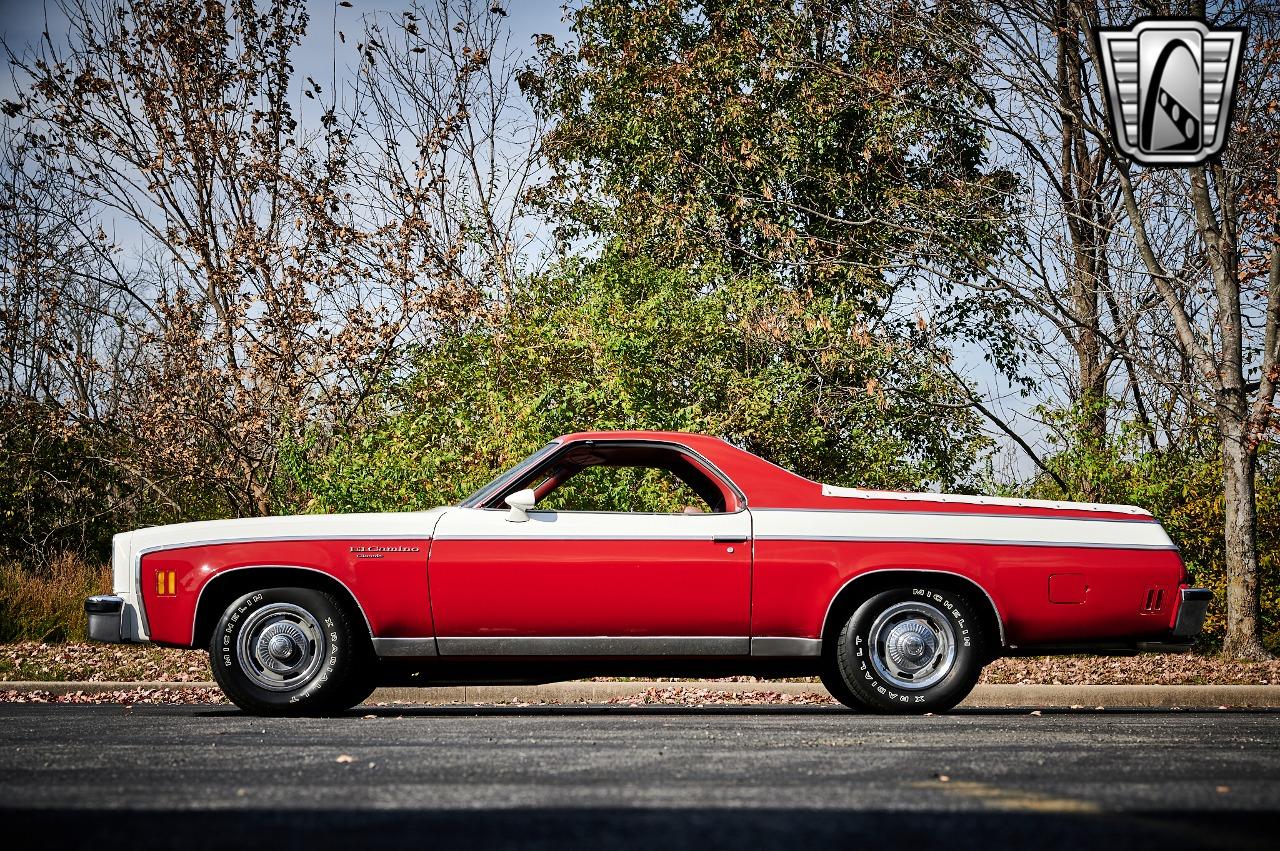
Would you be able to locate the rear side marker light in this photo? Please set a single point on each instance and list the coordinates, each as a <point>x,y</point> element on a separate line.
<point>1154,601</point>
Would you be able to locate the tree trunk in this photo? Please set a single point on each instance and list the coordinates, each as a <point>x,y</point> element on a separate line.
<point>1082,205</point>
<point>1242,639</point>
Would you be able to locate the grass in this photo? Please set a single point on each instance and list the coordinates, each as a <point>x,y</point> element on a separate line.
<point>48,605</point>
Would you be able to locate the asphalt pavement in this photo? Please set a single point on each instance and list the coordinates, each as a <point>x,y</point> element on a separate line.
<point>658,778</point>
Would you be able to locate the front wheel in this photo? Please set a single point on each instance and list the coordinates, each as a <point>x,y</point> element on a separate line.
<point>906,651</point>
<point>288,651</point>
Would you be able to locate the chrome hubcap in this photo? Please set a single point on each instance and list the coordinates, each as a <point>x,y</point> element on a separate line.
<point>912,644</point>
<point>281,647</point>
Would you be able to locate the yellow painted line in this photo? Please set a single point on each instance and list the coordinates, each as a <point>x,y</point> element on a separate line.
<point>997,798</point>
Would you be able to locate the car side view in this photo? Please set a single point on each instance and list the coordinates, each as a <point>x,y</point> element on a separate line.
<point>896,600</point>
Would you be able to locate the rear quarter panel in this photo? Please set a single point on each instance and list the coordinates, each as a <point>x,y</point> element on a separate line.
<point>795,582</point>
<point>804,558</point>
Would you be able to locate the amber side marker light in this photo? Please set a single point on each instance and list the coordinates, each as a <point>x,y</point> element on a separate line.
<point>166,582</point>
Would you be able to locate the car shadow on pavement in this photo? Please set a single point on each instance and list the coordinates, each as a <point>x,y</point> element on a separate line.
<point>655,709</point>
<point>669,829</point>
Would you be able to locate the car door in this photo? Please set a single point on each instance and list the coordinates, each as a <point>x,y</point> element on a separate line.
<point>591,583</point>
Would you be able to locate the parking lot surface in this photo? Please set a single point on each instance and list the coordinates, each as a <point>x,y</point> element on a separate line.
<point>636,777</point>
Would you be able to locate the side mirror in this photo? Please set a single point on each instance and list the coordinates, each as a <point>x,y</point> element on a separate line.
<point>521,502</point>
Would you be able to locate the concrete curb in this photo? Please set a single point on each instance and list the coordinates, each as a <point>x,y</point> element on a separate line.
<point>983,696</point>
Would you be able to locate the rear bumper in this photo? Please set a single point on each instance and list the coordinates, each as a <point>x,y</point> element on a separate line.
<point>1192,609</point>
<point>106,617</point>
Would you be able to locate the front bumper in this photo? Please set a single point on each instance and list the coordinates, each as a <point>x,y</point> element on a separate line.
<point>106,615</point>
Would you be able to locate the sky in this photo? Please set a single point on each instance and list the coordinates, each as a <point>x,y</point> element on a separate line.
<point>23,21</point>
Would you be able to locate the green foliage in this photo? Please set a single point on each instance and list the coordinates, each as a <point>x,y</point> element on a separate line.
<point>51,481</point>
<point>819,142</point>
<point>623,489</point>
<point>1182,486</point>
<point>628,344</point>
<point>67,485</point>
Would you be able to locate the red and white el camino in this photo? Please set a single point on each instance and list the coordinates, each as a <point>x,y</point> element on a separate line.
<point>896,600</point>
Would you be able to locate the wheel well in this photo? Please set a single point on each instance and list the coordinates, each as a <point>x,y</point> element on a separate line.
<point>223,588</point>
<point>861,588</point>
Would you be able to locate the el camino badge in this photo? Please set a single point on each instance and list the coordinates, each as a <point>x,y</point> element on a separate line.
<point>378,551</point>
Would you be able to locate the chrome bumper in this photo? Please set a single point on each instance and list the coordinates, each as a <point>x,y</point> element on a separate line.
<point>105,612</point>
<point>1194,606</point>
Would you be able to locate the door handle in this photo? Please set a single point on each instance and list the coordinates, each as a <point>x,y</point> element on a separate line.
<point>741,539</point>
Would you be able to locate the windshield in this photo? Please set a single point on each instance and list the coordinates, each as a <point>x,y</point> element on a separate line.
<point>501,482</point>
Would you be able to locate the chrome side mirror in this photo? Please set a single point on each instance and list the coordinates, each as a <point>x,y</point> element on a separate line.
<point>521,502</point>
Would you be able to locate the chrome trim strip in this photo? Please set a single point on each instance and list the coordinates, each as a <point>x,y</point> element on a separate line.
<point>838,492</point>
<point>991,542</point>
<point>877,539</point>
<point>996,514</point>
<point>526,539</point>
<point>221,573</point>
<point>596,645</point>
<point>500,481</point>
<point>405,646</point>
<point>777,645</point>
<point>971,581</point>
<point>253,539</point>
<point>142,603</point>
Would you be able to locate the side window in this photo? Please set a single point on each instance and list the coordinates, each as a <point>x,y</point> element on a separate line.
<point>633,489</point>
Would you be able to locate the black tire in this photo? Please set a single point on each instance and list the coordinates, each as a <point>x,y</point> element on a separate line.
<point>362,683</point>
<point>925,656</point>
<point>290,651</point>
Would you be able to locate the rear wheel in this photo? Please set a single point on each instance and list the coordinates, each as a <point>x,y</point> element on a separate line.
<point>289,651</point>
<point>906,650</point>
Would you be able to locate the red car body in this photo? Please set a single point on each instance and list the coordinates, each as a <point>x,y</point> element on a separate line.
<point>749,585</point>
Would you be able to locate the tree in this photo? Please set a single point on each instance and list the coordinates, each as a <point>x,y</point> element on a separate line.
<point>442,147</point>
<point>820,145</point>
<point>278,258</point>
<point>808,140</point>
<point>626,343</point>
<point>1222,293</point>
<point>56,318</point>
<point>174,118</point>
<point>1186,261</point>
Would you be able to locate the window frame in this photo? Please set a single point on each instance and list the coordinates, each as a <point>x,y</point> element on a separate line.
<point>731,493</point>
